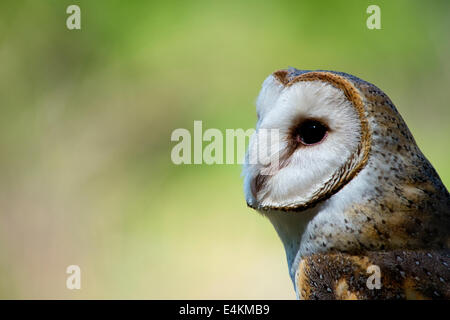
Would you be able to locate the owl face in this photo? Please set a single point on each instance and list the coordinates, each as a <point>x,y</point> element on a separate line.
<point>319,132</point>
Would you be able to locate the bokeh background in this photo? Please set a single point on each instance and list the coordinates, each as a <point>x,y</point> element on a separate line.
<point>86,118</point>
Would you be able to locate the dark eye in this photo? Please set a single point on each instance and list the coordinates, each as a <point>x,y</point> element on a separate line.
<point>310,132</point>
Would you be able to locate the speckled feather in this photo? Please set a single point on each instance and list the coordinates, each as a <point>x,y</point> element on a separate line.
<point>418,275</point>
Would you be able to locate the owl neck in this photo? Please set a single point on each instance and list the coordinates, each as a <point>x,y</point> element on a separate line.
<point>291,227</point>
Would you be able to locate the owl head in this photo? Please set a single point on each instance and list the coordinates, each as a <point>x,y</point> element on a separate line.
<point>323,139</point>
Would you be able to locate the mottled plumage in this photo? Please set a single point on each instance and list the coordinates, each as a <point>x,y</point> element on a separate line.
<point>405,274</point>
<point>378,201</point>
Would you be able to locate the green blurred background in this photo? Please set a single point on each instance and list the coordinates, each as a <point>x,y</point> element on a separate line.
<point>86,119</point>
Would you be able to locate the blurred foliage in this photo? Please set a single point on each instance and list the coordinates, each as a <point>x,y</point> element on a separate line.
<point>86,118</point>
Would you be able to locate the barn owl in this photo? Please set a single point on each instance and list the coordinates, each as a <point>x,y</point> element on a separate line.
<point>350,191</point>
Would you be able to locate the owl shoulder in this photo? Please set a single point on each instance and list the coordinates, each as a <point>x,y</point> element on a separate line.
<point>403,274</point>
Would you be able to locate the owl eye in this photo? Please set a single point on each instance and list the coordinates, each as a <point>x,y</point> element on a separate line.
<point>310,132</point>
